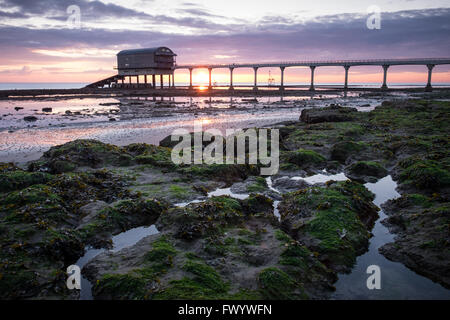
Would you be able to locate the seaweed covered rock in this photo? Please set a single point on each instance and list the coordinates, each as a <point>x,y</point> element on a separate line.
<point>228,173</point>
<point>365,171</point>
<point>44,227</point>
<point>303,159</point>
<point>200,219</point>
<point>342,151</point>
<point>121,216</point>
<point>424,174</point>
<point>236,252</point>
<point>333,221</point>
<point>332,113</point>
<point>20,179</point>
<point>422,242</point>
<point>81,153</point>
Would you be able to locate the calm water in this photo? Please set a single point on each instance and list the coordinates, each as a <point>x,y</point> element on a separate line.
<point>78,85</point>
<point>41,85</point>
<point>397,281</point>
<point>120,241</point>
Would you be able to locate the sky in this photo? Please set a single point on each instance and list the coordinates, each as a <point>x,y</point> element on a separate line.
<point>48,41</point>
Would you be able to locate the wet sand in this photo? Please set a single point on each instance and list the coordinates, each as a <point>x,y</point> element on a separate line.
<point>122,120</point>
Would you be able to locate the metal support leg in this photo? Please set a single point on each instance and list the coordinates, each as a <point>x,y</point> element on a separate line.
<point>231,78</point>
<point>190,78</point>
<point>161,81</point>
<point>311,88</point>
<point>282,79</point>
<point>346,77</point>
<point>255,86</point>
<point>210,78</point>
<point>385,69</point>
<point>430,71</point>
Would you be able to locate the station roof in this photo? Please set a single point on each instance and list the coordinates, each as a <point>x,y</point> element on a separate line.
<point>156,50</point>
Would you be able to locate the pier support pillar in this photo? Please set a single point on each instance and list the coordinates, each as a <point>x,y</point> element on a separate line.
<point>255,86</point>
<point>145,80</point>
<point>346,77</point>
<point>311,87</point>
<point>210,79</point>
<point>430,67</point>
<point>173,79</point>
<point>231,78</point>
<point>385,69</point>
<point>153,81</point>
<point>282,78</point>
<point>129,80</point>
<point>161,81</point>
<point>190,78</point>
<point>137,81</point>
<point>170,81</point>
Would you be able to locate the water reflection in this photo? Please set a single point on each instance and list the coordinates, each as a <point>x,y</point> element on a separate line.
<point>397,281</point>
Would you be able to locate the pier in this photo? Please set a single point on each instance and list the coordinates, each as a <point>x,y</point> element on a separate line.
<point>119,80</point>
<point>312,65</point>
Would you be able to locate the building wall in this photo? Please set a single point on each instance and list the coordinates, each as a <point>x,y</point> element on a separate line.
<point>145,63</point>
<point>136,61</point>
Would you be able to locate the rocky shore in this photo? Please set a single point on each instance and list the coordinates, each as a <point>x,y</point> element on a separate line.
<point>285,239</point>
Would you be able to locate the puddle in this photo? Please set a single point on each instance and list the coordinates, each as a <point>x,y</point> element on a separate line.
<point>322,178</point>
<point>227,192</point>
<point>397,281</point>
<point>120,241</point>
<point>216,193</point>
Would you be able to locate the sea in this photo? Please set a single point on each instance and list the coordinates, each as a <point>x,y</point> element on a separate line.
<point>78,85</point>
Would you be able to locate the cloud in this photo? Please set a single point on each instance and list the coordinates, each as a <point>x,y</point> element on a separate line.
<point>97,11</point>
<point>88,8</point>
<point>25,70</point>
<point>415,33</point>
<point>15,14</point>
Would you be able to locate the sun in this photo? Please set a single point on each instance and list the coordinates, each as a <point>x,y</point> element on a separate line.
<point>201,77</point>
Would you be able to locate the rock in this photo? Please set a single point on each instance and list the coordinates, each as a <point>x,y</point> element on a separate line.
<point>83,153</point>
<point>421,240</point>
<point>286,184</point>
<point>30,118</point>
<point>18,108</point>
<point>252,184</point>
<point>47,109</point>
<point>341,151</point>
<point>329,220</point>
<point>365,171</point>
<point>91,210</point>
<point>329,114</point>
